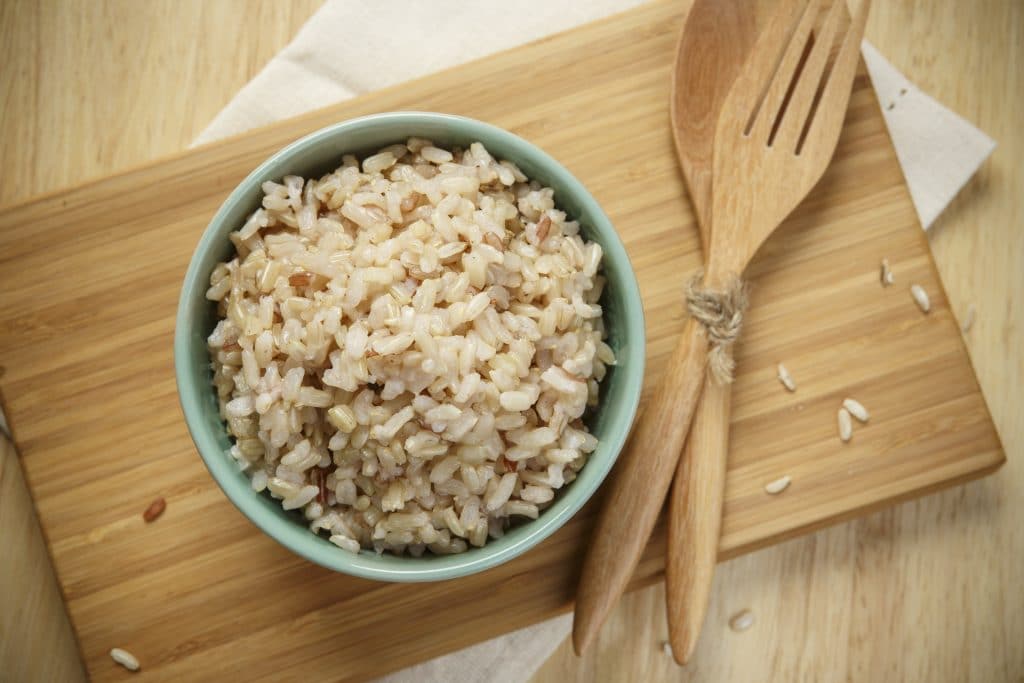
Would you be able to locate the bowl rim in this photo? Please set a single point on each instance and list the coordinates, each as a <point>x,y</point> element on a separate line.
<point>298,538</point>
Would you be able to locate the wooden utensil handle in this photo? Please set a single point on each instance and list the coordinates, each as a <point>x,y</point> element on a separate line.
<point>695,519</point>
<point>637,490</point>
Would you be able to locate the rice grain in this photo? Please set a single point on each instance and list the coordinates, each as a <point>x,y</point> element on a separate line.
<point>845,425</point>
<point>124,658</point>
<point>741,621</point>
<point>778,486</point>
<point>885,274</point>
<point>921,298</point>
<point>786,378</point>
<point>155,509</point>
<point>968,319</point>
<point>856,409</point>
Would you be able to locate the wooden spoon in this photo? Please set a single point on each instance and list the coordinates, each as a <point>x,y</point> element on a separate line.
<point>713,45</point>
<point>775,135</point>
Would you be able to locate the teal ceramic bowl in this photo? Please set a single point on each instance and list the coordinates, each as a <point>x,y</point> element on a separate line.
<point>319,153</point>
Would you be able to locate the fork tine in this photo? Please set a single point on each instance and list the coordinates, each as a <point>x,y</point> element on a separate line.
<point>828,117</point>
<point>749,89</point>
<point>766,115</point>
<point>794,119</point>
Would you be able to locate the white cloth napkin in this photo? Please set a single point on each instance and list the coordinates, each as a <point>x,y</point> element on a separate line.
<point>938,150</point>
<point>350,47</point>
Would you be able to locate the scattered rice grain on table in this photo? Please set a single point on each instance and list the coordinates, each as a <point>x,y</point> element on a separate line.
<point>845,424</point>
<point>968,319</point>
<point>125,659</point>
<point>857,409</point>
<point>921,298</point>
<point>786,378</point>
<point>778,486</point>
<point>741,621</point>
<point>155,509</point>
<point>406,348</point>
<point>885,273</point>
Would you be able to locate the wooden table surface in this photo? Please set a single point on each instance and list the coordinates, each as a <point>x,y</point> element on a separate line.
<point>927,591</point>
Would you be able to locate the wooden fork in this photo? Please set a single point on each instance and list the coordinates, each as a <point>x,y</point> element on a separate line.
<point>776,134</point>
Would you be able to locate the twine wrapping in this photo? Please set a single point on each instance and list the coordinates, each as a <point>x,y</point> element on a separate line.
<point>721,314</point>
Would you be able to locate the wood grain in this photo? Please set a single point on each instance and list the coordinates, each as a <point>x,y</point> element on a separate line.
<point>36,640</point>
<point>818,574</point>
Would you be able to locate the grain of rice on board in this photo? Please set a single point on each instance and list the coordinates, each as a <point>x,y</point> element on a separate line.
<point>406,347</point>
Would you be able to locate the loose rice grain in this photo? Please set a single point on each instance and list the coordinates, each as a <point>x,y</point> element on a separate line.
<point>778,486</point>
<point>155,509</point>
<point>124,658</point>
<point>741,621</point>
<point>921,298</point>
<point>786,378</point>
<point>857,409</point>
<point>845,425</point>
<point>968,322</point>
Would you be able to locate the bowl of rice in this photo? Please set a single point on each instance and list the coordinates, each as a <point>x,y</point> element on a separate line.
<point>409,346</point>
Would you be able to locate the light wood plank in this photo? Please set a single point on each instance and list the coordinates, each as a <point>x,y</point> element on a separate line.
<point>36,640</point>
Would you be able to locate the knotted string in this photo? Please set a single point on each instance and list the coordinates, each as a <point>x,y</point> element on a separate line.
<point>721,314</point>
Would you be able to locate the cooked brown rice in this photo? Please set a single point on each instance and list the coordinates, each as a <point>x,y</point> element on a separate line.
<point>407,345</point>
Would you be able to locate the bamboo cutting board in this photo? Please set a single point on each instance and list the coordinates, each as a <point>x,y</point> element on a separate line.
<point>90,280</point>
